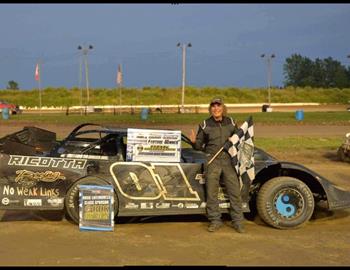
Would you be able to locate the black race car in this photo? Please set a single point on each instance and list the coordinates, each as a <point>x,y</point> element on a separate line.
<point>37,172</point>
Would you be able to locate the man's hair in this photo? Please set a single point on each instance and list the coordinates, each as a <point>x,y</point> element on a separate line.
<point>224,110</point>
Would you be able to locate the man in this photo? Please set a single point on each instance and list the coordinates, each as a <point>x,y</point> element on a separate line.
<point>211,136</point>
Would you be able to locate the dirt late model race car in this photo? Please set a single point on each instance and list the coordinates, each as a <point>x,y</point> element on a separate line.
<point>38,172</point>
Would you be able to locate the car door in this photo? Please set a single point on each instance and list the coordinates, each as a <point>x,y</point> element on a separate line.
<point>159,188</point>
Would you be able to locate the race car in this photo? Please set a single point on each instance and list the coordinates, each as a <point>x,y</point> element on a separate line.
<point>38,172</point>
<point>13,108</point>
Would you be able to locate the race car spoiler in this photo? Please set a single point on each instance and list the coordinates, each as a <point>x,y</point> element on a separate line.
<point>28,141</point>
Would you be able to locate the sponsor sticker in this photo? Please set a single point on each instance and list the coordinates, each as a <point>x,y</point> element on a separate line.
<point>179,205</point>
<point>32,202</point>
<point>55,201</point>
<point>191,205</point>
<point>162,205</point>
<point>131,206</point>
<point>5,201</point>
<point>146,205</point>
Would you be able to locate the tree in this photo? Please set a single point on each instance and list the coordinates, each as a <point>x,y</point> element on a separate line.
<point>298,71</point>
<point>301,71</point>
<point>12,85</point>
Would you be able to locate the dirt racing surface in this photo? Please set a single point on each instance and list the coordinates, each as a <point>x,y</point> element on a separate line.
<point>49,239</point>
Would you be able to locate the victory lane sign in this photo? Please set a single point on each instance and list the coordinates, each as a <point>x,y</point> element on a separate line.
<point>96,208</point>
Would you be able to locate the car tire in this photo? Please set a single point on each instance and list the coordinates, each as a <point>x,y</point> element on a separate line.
<point>72,198</point>
<point>285,203</point>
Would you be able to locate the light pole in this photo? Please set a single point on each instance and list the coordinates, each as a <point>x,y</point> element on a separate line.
<point>183,46</point>
<point>269,74</point>
<point>85,51</point>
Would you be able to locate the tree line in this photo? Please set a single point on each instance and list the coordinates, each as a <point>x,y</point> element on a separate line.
<point>300,71</point>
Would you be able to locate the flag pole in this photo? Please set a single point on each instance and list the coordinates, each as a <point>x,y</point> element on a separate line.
<point>214,157</point>
<point>40,86</point>
<point>120,100</point>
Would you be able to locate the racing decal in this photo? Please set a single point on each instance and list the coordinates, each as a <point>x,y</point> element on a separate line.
<point>138,181</point>
<point>67,163</point>
<point>85,156</point>
<point>162,205</point>
<point>191,205</point>
<point>178,205</point>
<point>29,178</point>
<point>32,202</point>
<point>131,205</point>
<point>146,205</point>
<point>7,201</point>
<point>30,192</point>
<point>55,201</point>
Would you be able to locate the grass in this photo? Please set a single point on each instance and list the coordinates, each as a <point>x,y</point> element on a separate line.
<point>61,96</point>
<point>273,118</point>
<point>298,143</point>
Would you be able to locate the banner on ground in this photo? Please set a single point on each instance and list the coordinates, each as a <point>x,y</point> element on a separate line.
<point>152,145</point>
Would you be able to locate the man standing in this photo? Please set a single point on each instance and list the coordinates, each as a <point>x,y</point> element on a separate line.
<point>211,136</point>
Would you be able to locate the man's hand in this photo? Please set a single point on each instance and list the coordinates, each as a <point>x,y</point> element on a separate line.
<point>193,136</point>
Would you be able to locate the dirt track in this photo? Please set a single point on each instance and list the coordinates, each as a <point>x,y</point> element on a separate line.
<point>47,239</point>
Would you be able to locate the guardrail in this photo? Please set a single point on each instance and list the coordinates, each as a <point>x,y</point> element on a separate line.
<point>189,108</point>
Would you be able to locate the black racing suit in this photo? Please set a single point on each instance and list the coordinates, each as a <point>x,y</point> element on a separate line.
<point>211,136</point>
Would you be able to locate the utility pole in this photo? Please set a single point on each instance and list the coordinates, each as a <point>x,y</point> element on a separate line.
<point>269,74</point>
<point>183,46</point>
<point>80,80</point>
<point>85,51</point>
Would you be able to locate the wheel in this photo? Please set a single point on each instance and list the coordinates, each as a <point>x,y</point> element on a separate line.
<point>285,203</point>
<point>72,198</point>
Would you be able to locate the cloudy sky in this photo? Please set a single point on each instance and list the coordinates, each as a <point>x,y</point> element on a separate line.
<point>227,41</point>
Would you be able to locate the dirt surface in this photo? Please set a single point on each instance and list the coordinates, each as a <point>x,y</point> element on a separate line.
<point>259,129</point>
<point>49,239</point>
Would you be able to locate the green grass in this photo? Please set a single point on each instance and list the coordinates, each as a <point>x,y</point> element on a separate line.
<point>172,95</point>
<point>273,118</point>
<point>298,143</point>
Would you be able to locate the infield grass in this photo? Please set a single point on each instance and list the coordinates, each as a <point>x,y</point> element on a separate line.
<point>272,118</point>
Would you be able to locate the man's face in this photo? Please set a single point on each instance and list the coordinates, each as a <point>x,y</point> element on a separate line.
<point>216,110</point>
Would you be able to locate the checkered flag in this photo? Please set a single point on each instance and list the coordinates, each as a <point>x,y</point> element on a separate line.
<point>240,146</point>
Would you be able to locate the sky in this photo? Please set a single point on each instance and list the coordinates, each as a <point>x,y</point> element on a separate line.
<point>227,41</point>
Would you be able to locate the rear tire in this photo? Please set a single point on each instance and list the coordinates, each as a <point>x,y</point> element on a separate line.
<point>285,203</point>
<point>72,197</point>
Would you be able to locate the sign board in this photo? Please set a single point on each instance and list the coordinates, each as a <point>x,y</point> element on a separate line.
<point>153,145</point>
<point>96,208</point>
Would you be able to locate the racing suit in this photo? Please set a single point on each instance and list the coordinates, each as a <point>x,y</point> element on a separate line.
<point>211,136</point>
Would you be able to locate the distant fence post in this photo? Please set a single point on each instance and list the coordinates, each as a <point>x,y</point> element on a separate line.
<point>196,109</point>
<point>67,110</point>
<point>132,110</point>
<point>178,109</point>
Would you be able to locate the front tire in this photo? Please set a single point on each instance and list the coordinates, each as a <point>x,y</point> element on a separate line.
<point>72,197</point>
<point>285,203</point>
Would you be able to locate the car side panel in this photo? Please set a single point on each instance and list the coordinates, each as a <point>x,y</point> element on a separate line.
<point>37,183</point>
